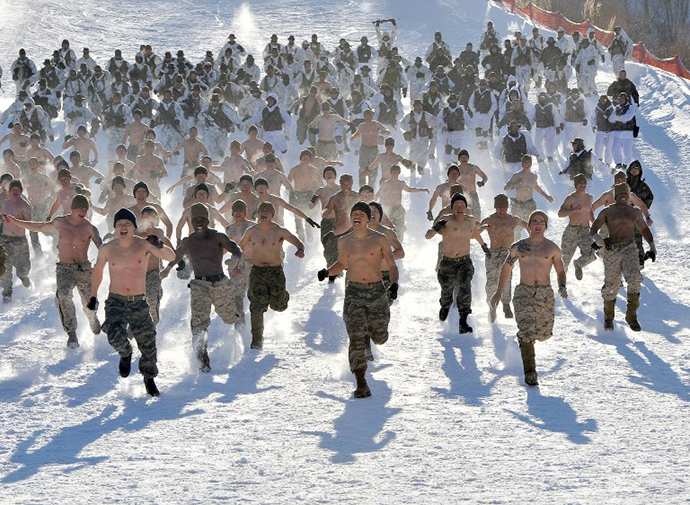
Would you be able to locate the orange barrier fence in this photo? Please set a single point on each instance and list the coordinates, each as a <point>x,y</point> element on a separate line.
<point>555,20</point>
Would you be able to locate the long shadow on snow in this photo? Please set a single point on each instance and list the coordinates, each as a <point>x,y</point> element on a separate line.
<point>653,372</point>
<point>325,322</point>
<point>360,424</point>
<point>138,413</point>
<point>553,413</point>
<point>464,375</point>
<point>64,448</point>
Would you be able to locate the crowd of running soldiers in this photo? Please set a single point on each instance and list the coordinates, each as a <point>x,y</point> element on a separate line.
<point>156,108</point>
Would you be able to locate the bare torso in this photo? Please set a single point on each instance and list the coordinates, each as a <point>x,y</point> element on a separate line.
<point>457,234</point>
<point>74,239</point>
<point>500,230</point>
<point>18,209</point>
<point>364,255</point>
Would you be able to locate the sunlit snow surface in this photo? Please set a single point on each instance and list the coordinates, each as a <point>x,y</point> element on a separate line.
<point>449,420</point>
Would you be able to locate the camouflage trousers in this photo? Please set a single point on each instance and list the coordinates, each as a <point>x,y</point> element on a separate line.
<point>330,244</point>
<point>17,252</point>
<point>131,319</point>
<point>301,200</point>
<point>326,149</point>
<point>154,293</point>
<point>366,314</point>
<point>69,276</point>
<point>621,260</point>
<point>386,279</point>
<point>367,155</point>
<point>475,206</point>
<point>521,209</point>
<point>494,265</point>
<point>396,214</point>
<point>239,285</point>
<point>266,289</point>
<point>574,237</point>
<point>206,294</point>
<point>455,274</point>
<point>39,212</point>
<point>534,313</point>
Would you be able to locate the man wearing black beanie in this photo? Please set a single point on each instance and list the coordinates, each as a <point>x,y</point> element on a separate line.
<point>126,310</point>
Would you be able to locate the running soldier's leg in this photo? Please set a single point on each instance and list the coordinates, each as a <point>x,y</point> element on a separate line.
<point>396,214</point>
<point>475,205</point>
<point>378,315</point>
<point>200,301</point>
<point>464,281</point>
<point>66,281</point>
<point>494,264</point>
<point>630,264</point>
<point>279,297</point>
<point>299,222</point>
<point>144,333</point>
<point>82,277</point>
<point>154,294</point>
<point>355,318</point>
<point>259,299</point>
<point>613,269</point>
<point>224,301</point>
<point>584,242</point>
<point>534,313</point>
<point>569,243</point>
<point>447,276</point>
<point>115,326</point>
<point>22,260</point>
<point>301,130</point>
<point>6,279</point>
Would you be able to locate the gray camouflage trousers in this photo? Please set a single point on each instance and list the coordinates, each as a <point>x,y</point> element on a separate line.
<point>125,320</point>
<point>204,295</point>
<point>69,276</point>
<point>455,274</point>
<point>574,237</point>
<point>396,214</point>
<point>239,285</point>
<point>494,265</point>
<point>521,209</point>
<point>301,200</point>
<point>366,314</point>
<point>534,313</point>
<point>621,260</point>
<point>154,293</point>
<point>476,207</point>
<point>17,252</point>
<point>367,155</point>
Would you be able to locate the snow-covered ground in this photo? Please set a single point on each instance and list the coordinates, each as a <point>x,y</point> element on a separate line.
<point>449,420</point>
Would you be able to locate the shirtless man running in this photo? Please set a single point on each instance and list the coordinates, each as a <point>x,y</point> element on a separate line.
<point>456,270</point>
<point>306,179</point>
<point>501,229</point>
<point>75,234</point>
<point>13,240</point>
<point>369,132</point>
<point>533,298</point>
<point>339,205</point>
<point>577,207</point>
<point>468,176</point>
<point>366,309</point>
<point>267,279</point>
<point>135,133</point>
<point>525,183</point>
<point>150,168</point>
<point>84,145</point>
<point>390,194</point>
<point>193,149</point>
<point>210,287</point>
<point>126,311</point>
<point>141,195</point>
<point>443,192</point>
<point>325,124</point>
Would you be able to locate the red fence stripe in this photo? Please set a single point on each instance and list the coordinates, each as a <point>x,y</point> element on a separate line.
<point>555,20</point>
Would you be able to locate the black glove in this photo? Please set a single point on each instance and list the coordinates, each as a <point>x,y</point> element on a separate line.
<point>312,223</point>
<point>603,59</point>
<point>393,291</point>
<point>79,190</point>
<point>92,304</point>
<point>322,274</point>
<point>240,48</point>
<point>439,225</point>
<point>429,215</point>
<point>99,180</point>
<point>608,243</point>
<point>419,75</point>
<point>480,184</point>
<point>155,241</point>
<point>67,137</point>
<point>486,250</point>
<point>229,187</point>
<point>650,255</point>
<point>595,246</point>
<point>180,265</point>
<point>404,92</point>
<point>393,22</point>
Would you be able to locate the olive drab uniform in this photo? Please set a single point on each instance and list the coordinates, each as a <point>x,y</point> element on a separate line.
<point>266,290</point>
<point>455,276</point>
<point>154,294</point>
<point>129,316</point>
<point>69,276</point>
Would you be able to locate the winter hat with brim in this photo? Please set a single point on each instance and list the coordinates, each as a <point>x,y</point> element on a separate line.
<point>125,214</point>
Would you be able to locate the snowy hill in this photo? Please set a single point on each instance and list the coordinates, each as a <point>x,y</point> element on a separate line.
<point>449,420</point>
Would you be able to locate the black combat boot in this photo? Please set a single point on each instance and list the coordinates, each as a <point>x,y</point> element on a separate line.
<point>204,360</point>
<point>151,387</point>
<point>609,311</point>
<point>362,390</point>
<point>72,341</point>
<point>464,327</point>
<point>528,364</point>
<point>443,313</point>
<point>257,330</point>
<point>507,312</point>
<point>631,311</point>
<point>125,365</point>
